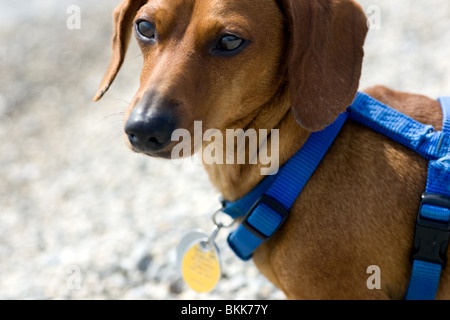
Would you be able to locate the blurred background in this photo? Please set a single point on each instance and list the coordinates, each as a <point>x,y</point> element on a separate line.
<point>82,217</point>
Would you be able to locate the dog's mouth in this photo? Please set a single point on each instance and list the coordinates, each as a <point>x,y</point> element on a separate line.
<point>162,155</point>
<point>165,153</point>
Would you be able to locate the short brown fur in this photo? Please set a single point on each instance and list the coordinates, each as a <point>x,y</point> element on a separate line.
<point>301,70</point>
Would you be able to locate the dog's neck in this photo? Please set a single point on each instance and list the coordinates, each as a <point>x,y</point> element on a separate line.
<point>236,180</point>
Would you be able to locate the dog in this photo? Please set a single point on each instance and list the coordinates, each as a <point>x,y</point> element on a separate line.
<point>293,65</point>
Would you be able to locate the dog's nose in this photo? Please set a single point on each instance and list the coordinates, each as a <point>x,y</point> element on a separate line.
<point>149,132</point>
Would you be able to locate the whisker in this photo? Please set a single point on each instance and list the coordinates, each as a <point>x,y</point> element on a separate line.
<point>122,100</point>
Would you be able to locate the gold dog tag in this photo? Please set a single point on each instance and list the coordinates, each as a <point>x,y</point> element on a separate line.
<point>199,259</point>
<point>200,266</point>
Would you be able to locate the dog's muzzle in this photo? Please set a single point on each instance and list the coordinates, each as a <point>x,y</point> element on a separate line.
<point>150,126</point>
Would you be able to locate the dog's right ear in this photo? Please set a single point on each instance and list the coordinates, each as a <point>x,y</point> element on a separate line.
<point>123,16</point>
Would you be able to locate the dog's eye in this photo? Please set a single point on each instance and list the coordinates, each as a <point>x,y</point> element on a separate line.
<point>146,29</point>
<point>229,43</point>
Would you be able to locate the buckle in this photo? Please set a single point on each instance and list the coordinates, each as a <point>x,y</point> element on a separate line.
<point>275,206</point>
<point>432,236</point>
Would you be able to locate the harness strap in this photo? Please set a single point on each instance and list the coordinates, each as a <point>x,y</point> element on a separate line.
<point>433,224</point>
<point>399,127</point>
<point>267,214</point>
<point>445,103</point>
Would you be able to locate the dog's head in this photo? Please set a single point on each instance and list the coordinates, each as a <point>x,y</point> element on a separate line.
<point>220,61</point>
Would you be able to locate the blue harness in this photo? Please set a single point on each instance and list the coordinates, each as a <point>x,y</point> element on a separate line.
<point>266,208</point>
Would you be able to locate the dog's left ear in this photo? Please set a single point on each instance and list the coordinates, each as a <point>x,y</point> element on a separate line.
<point>325,58</point>
<point>123,24</point>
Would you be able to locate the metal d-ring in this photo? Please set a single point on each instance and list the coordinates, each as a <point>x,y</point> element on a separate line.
<point>213,236</point>
<point>217,227</point>
<point>220,224</point>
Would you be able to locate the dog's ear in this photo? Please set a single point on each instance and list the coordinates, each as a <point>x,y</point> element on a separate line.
<point>123,16</point>
<point>325,58</point>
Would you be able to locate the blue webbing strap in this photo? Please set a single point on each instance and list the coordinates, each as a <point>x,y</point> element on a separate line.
<point>445,103</point>
<point>399,127</point>
<point>241,207</point>
<point>424,280</point>
<point>271,208</point>
<point>425,274</point>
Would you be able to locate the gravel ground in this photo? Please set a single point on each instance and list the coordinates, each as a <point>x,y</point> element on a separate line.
<point>82,217</point>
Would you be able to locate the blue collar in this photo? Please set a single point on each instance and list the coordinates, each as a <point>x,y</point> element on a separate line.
<point>266,207</point>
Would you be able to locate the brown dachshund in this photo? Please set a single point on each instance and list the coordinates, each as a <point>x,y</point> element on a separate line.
<point>293,65</point>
